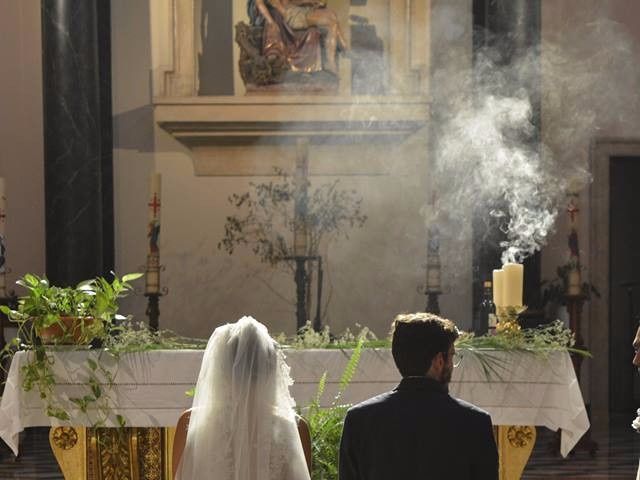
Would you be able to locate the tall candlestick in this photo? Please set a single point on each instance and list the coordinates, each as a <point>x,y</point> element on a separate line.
<point>513,283</point>
<point>153,234</point>
<point>3,244</point>
<point>574,282</point>
<point>300,240</point>
<point>3,207</point>
<point>433,260</point>
<point>498,288</point>
<point>152,275</point>
<point>433,277</point>
<point>155,190</point>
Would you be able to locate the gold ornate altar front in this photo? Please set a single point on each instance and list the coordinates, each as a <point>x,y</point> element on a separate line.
<point>145,453</point>
<point>113,453</point>
<point>515,444</point>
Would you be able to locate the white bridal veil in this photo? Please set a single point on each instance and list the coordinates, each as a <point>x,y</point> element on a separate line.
<point>242,424</point>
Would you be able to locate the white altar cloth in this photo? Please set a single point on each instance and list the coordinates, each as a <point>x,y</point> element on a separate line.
<point>150,388</point>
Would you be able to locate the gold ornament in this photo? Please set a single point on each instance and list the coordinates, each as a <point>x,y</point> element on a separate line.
<point>65,438</point>
<point>519,436</point>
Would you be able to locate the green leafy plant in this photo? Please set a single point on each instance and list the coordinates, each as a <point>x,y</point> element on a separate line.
<point>540,341</point>
<point>326,423</point>
<point>270,212</point>
<point>95,303</point>
<point>307,338</point>
<point>267,221</point>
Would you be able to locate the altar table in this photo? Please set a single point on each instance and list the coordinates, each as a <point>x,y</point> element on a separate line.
<point>149,390</point>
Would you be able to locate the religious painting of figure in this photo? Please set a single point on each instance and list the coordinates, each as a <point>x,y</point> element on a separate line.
<point>3,250</point>
<point>289,41</point>
<point>153,234</point>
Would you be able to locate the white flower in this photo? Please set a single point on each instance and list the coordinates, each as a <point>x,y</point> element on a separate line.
<point>636,423</point>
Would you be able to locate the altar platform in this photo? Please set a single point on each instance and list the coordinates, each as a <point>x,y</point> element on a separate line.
<point>149,391</point>
<point>616,460</point>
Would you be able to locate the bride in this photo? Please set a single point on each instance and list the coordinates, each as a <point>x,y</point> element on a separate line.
<point>242,425</point>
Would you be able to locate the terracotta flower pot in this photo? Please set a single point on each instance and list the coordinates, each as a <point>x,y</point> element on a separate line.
<point>69,331</point>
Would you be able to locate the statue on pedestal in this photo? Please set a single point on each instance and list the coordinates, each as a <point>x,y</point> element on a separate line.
<point>288,41</point>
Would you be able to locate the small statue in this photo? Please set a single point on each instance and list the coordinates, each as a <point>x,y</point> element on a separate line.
<point>285,36</point>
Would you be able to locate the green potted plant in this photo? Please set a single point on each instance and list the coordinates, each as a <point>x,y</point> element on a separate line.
<point>68,315</point>
<point>50,315</point>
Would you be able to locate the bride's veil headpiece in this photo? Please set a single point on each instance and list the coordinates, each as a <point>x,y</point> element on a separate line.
<point>242,424</point>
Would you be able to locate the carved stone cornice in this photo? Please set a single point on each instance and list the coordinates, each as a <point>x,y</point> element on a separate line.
<point>226,134</point>
<point>238,121</point>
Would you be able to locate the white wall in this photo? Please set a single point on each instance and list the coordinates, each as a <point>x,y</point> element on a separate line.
<point>133,157</point>
<point>369,277</point>
<point>21,141</point>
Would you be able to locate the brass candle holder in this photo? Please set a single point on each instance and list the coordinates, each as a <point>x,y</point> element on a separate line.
<point>508,319</point>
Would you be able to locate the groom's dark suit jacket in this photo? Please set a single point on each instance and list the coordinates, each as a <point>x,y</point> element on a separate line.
<point>417,431</point>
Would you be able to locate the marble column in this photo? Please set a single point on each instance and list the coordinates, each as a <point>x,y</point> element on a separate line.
<point>77,139</point>
<point>509,31</point>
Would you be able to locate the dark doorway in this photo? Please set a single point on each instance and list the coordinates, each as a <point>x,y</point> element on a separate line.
<point>624,283</point>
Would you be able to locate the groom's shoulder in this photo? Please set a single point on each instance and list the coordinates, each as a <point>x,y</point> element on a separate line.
<point>372,404</point>
<point>470,409</point>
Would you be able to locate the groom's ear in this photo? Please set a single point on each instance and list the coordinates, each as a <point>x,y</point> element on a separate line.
<point>438,362</point>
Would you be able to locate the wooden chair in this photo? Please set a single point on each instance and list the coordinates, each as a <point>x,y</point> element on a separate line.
<point>305,438</point>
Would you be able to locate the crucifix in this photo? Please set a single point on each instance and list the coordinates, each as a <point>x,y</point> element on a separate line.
<point>301,239</point>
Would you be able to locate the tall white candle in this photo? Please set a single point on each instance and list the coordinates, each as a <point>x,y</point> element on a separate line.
<point>3,238</point>
<point>153,229</point>
<point>3,207</point>
<point>498,288</point>
<point>155,190</point>
<point>153,234</point>
<point>513,282</point>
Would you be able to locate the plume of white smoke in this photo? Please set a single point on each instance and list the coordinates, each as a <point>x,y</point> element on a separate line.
<point>487,157</point>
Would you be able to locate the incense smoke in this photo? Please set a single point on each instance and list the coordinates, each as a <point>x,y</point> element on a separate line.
<point>487,155</point>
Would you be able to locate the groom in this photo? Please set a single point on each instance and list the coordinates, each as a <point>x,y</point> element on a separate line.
<point>417,431</point>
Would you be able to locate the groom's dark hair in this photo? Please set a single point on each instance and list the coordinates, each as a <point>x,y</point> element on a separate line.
<point>417,339</point>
